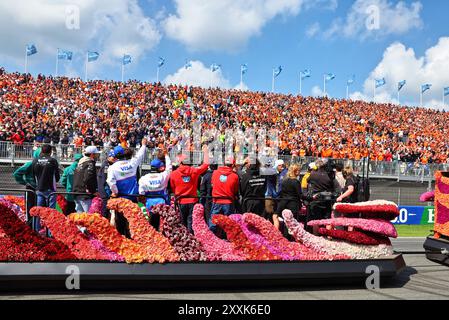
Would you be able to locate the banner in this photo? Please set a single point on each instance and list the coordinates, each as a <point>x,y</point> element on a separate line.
<point>415,216</point>
<point>178,103</point>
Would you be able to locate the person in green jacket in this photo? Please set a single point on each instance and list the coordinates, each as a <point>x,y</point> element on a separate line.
<point>24,176</point>
<point>67,183</point>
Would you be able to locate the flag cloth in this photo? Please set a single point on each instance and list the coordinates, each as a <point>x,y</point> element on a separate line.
<point>244,68</point>
<point>31,49</point>
<point>277,71</point>
<point>92,56</point>
<point>178,103</point>
<point>305,74</point>
<point>126,59</point>
<point>161,62</point>
<point>425,87</point>
<point>380,82</point>
<point>214,67</point>
<point>188,65</point>
<point>329,77</point>
<point>65,55</point>
<point>401,84</point>
<point>446,91</point>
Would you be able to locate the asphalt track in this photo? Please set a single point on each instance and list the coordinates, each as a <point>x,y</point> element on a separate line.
<point>421,280</point>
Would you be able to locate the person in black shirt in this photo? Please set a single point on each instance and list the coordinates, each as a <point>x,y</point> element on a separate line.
<point>349,192</point>
<point>206,190</point>
<point>46,173</point>
<point>253,185</point>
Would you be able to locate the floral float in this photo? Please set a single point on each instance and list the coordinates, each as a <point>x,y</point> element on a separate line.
<point>353,251</point>
<point>381,227</point>
<point>110,238</point>
<point>143,233</point>
<point>185,244</point>
<point>223,249</point>
<point>96,206</point>
<point>441,205</point>
<point>357,237</point>
<point>241,242</point>
<point>19,243</point>
<point>67,232</point>
<point>427,196</point>
<point>378,209</point>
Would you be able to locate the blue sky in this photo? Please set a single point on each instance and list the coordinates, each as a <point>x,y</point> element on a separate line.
<point>323,36</point>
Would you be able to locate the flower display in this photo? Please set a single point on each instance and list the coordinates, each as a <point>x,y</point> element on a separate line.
<point>110,238</point>
<point>185,244</point>
<point>241,242</point>
<point>288,250</point>
<point>381,227</point>
<point>65,231</point>
<point>441,205</point>
<point>223,249</point>
<point>62,203</point>
<point>96,206</point>
<point>356,237</point>
<point>353,251</point>
<point>20,201</point>
<point>19,243</point>
<point>378,209</point>
<point>111,255</point>
<point>427,196</point>
<point>142,232</point>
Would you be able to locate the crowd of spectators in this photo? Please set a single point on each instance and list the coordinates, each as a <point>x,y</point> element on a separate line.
<point>107,113</point>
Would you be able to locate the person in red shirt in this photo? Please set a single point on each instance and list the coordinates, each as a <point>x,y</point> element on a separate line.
<point>225,187</point>
<point>184,183</point>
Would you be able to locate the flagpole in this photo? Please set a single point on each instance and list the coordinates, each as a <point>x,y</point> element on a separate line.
<point>26,60</point>
<point>272,83</point>
<point>300,83</point>
<point>347,91</point>
<point>157,76</point>
<point>374,96</point>
<point>399,101</point>
<point>57,63</point>
<point>444,98</point>
<point>421,98</point>
<point>123,71</point>
<point>87,60</point>
<point>325,85</point>
<point>241,78</point>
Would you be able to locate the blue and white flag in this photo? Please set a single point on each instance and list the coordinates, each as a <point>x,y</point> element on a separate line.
<point>188,65</point>
<point>92,56</point>
<point>425,87</point>
<point>380,82</point>
<point>126,59</point>
<point>65,55</point>
<point>401,84</point>
<point>305,74</point>
<point>446,91</point>
<point>244,68</point>
<point>31,49</point>
<point>277,71</point>
<point>161,62</point>
<point>329,77</point>
<point>215,67</point>
<point>351,81</point>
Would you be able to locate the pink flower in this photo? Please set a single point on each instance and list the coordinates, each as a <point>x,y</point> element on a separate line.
<point>97,205</point>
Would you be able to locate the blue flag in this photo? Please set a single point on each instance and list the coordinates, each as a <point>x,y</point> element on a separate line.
<point>401,84</point>
<point>188,65</point>
<point>329,77</point>
<point>161,62</point>
<point>351,81</point>
<point>31,49</point>
<point>244,68</point>
<point>65,55</point>
<point>305,74</point>
<point>425,87</point>
<point>446,91</point>
<point>380,82</point>
<point>126,59</point>
<point>214,67</point>
<point>92,56</point>
<point>277,71</point>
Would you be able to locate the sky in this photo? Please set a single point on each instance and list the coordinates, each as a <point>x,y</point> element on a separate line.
<point>368,39</point>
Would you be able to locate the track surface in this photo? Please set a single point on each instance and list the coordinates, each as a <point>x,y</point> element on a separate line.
<point>421,279</point>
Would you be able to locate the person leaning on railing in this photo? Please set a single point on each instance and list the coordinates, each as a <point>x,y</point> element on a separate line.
<point>67,183</point>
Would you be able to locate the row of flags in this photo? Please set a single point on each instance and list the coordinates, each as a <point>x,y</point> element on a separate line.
<point>92,56</point>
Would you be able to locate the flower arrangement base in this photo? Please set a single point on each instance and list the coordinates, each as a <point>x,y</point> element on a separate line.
<point>116,275</point>
<point>437,250</point>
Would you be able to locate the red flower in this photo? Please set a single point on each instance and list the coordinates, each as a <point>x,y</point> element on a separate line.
<point>357,237</point>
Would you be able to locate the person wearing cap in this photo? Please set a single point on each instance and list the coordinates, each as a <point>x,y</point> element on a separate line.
<point>67,183</point>
<point>184,184</point>
<point>103,187</point>
<point>274,186</point>
<point>305,180</point>
<point>155,184</point>
<point>225,188</point>
<point>85,179</point>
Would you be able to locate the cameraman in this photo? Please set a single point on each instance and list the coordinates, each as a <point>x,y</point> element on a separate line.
<point>320,181</point>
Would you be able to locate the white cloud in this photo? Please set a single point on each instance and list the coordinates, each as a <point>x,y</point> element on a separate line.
<point>401,63</point>
<point>112,27</point>
<point>317,92</point>
<point>242,87</point>
<point>227,24</point>
<point>374,18</point>
<point>198,75</point>
<point>313,30</point>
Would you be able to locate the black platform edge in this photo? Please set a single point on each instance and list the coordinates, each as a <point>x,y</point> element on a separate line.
<point>433,249</point>
<point>105,276</point>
